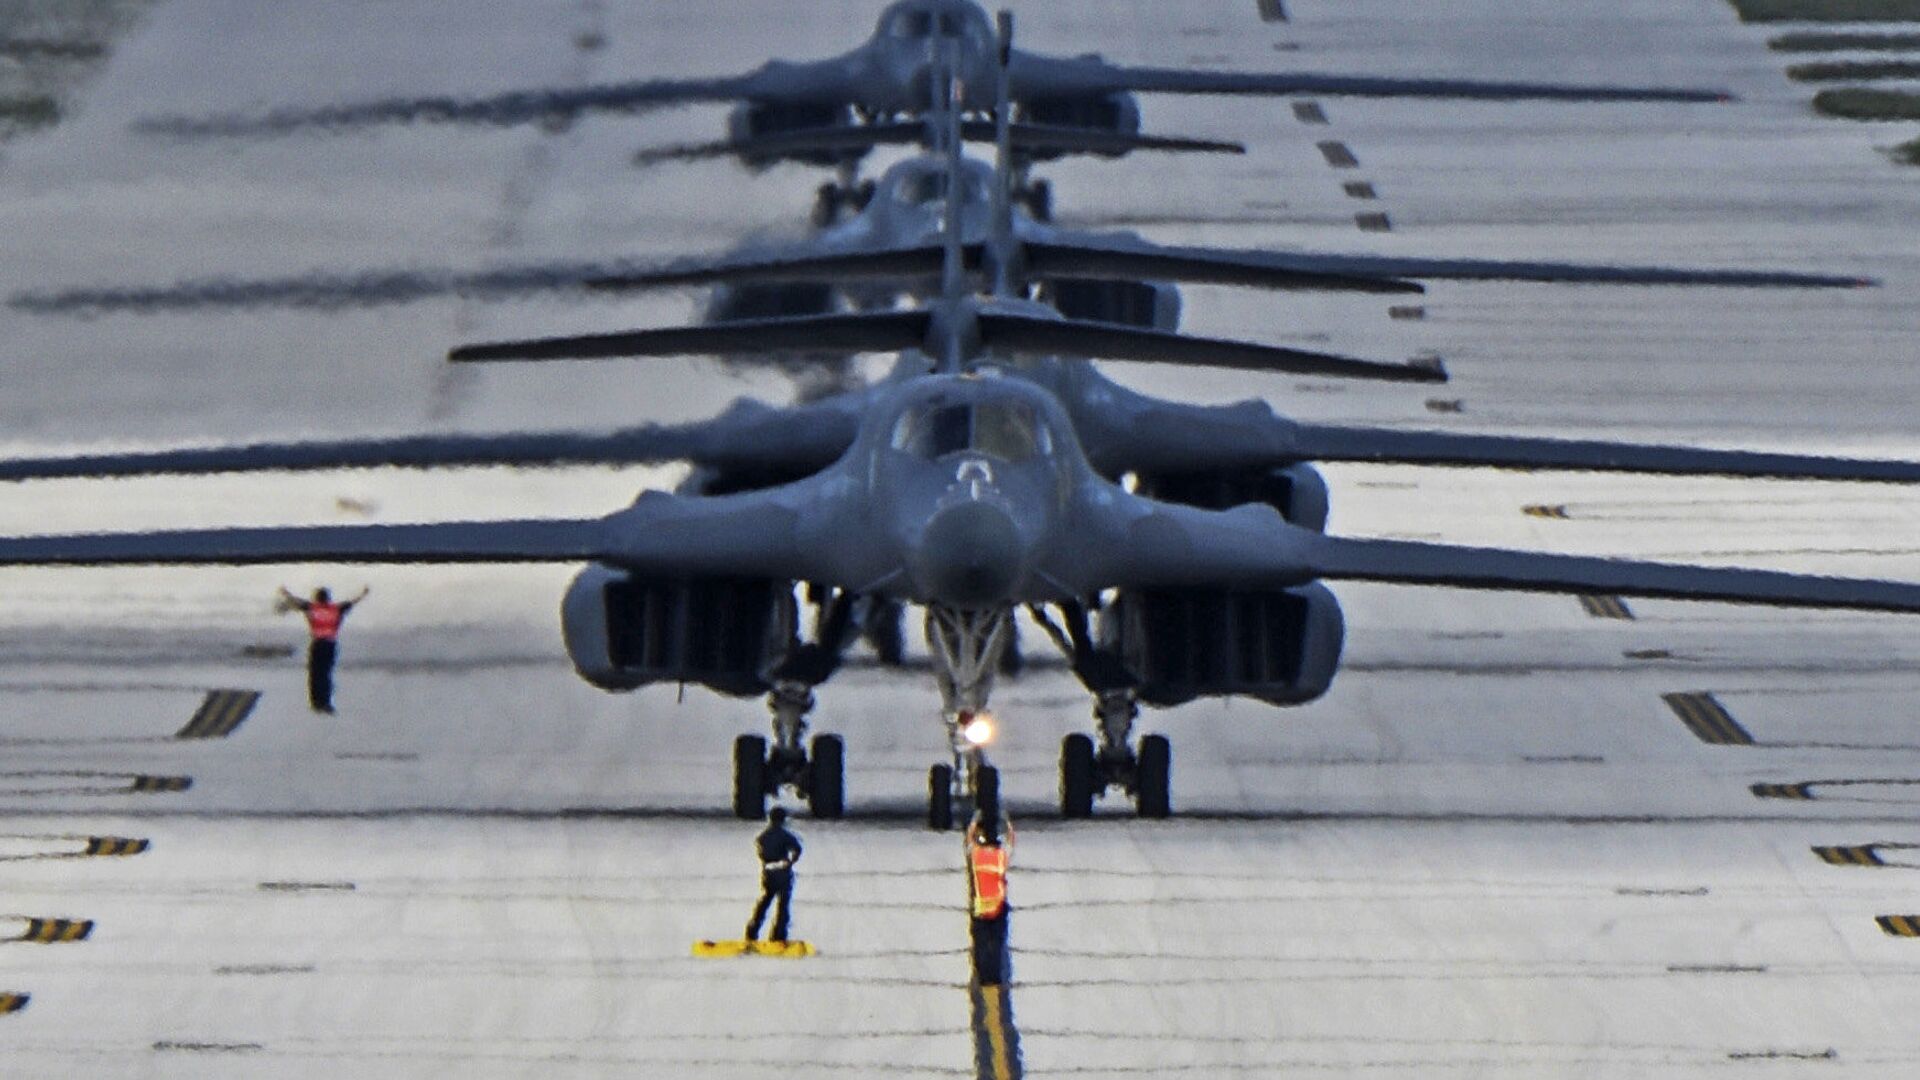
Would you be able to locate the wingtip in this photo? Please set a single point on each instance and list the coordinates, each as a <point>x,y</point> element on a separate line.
<point>1430,369</point>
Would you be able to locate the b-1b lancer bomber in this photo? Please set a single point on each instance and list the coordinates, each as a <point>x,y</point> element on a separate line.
<point>1171,551</point>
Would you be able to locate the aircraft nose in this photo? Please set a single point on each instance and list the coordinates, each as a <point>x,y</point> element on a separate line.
<point>969,556</point>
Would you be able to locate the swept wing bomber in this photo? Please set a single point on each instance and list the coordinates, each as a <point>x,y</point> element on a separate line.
<point>1171,551</point>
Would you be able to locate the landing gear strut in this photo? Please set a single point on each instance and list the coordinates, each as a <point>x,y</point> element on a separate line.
<point>818,772</point>
<point>1086,772</point>
<point>968,649</point>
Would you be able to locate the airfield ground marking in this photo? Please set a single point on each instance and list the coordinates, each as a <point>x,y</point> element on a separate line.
<point>1605,607</point>
<point>220,713</point>
<point>996,1041</point>
<point>1709,720</point>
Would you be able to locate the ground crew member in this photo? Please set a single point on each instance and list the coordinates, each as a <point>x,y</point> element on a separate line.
<point>324,617</point>
<point>779,850</point>
<point>987,859</point>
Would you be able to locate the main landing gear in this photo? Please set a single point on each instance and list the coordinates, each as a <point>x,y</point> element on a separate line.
<point>1087,771</point>
<point>818,773</point>
<point>968,649</point>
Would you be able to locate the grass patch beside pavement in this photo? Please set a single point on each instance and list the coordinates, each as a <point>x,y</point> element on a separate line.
<point>1857,103</point>
<point>1855,71</point>
<point>1818,42</point>
<point>1827,10</point>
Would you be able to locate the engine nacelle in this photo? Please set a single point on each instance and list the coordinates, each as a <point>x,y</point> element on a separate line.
<point>1152,305</point>
<point>1298,491</point>
<point>1282,647</point>
<point>754,119</point>
<point>624,632</point>
<point>732,303</point>
<point>1118,112</point>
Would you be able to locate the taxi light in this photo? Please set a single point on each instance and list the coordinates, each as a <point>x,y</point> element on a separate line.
<point>979,730</point>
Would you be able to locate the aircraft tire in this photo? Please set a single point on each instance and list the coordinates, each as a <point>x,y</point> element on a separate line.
<point>1076,776</point>
<point>940,797</point>
<point>1153,787</point>
<point>1040,200</point>
<point>986,788</point>
<point>826,777</point>
<point>750,777</point>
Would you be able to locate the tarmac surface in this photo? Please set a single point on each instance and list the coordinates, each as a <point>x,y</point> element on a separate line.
<point>1517,839</point>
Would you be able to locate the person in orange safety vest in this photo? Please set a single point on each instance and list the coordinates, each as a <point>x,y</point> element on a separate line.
<point>987,861</point>
<point>324,616</point>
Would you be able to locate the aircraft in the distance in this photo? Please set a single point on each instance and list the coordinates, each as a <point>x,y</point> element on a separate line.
<point>890,76</point>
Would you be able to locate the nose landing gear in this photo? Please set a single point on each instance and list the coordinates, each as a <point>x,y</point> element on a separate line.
<point>968,649</point>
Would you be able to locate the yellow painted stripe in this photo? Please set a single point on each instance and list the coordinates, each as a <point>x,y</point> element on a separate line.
<point>13,1002</point>
<point>1002,1058</point>
<point>1899,925</point>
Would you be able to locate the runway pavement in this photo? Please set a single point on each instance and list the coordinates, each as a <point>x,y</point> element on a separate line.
<point>1520,838</point>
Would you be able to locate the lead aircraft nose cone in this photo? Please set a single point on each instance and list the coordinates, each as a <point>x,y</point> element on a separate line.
<point>969,557</point>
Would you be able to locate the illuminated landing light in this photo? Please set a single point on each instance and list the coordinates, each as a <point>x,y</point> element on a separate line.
<point>979,730</point>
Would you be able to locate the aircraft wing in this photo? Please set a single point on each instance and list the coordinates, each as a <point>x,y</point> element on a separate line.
<point>886,331</point>
<point>505,109</point>
<point>1315,442</point>
<point>1036,76</point>
<point>804,438</point>
<point>1253,547</point>
<point>859,138</point>
<point>660,533</point>
<point>1089,256</point>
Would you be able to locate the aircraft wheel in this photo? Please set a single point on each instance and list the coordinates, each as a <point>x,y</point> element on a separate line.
<point>750,777</point>
<point>863,194</point>
<point>886,635</point>
<point>986,788</point>
<point>1040,200</point>
<point>940,797</point>
<point>826,777</point>
<point>1152,792</point>
<point>826,205</point>
<point>1076,776</point>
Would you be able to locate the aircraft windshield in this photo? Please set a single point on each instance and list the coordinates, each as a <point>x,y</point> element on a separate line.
<point>923,24</point>
<point>1006,430</point>
<point>923,188</point>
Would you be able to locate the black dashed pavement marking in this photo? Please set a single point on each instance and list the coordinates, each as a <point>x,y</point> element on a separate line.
<point>1717,969</point>
<point>1373,222</point>
<point>175,1046</point>
<point>1858,855</point>
<point>56,931</point>
<point>1899,925</point>
<point>220,712</point>
<point>1338,155</point>
<point>1782,791</point>
<point>153,785</point>
<point>1273,10</point>
<point>115,846</point>
<point>1359,189</point>
<point>1605,607</point>
<point>1557,511</point>
<point>1309,112</point>
<point>1829,1054</point>
<point>1709,720</point>
<point>1446,405</point>
<point>996,1042</point>
<point>307,886</point>
<point>1406,311</point>
<point>1647,654</point>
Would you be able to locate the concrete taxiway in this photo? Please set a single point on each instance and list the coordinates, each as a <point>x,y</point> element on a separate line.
<point>1521,837</point>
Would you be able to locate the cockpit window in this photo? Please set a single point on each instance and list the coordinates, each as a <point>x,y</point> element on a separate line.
<point>923,188</point>
<point>925,24</point>
<point>1006,430</point>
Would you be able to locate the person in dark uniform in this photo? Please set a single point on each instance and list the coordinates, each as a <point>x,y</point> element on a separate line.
<point>779,850</point>
<point>324,617</point>
<point>987,859</point>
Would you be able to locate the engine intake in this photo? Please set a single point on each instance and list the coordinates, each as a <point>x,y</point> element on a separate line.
<point>624,632</point>
<point>1281,647</point>
<point>1298,491</point>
